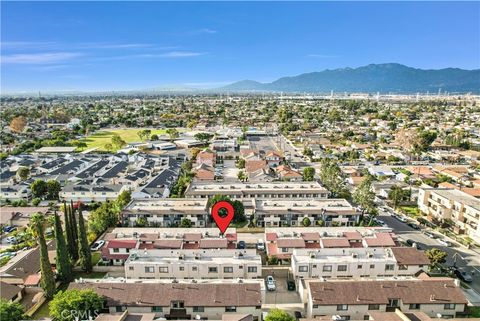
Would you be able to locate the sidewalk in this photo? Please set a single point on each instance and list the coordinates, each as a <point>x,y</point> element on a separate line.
<point>472,296</point>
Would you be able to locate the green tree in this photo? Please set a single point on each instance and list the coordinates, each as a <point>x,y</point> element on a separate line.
<point>203,137</point>
<point>83,302</point>
<point>238,208</point>
<point>396,195</point>
<point>172,133</point>
<point>23,172</point>
<point>436,257</point>
<point>12,311</point>
<point>332,178</point>
<point>53,189</point>
<point>306,222</point>
<point>308,174</point>
<point>71,243</point>
<point>124,198</point>
<point>185,222</point>
<point>74,225</point>
<point>84,253</point>
<point>272,260</point>
<point>364,196</point>
<point>241,163</point>
<point>47,280</point>
<point>38,188</point>
<point>63,264</point>
<point>278,315</point>
<point>117,142</point>
<point>242,176</point>
<point>307,152</point>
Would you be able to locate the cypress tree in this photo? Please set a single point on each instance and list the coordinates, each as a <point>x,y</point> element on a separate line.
<point>47,280</point>
<point>73,221</point>
<point>64,266</point>
<point>69,236</point>
<point>83,251</point>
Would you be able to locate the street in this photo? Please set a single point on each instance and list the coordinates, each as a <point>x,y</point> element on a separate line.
<point>465,257</point>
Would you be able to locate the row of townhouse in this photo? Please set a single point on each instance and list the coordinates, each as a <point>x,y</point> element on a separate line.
<point>180,300</point>
<point>449,203</point>
<point>149,316</point>
<point>335,299</point>
<point>355,300</point>
<point>357,262</point>
<point>267,190</point>
<point>281,242</point>
<point>267,213</point>
<point>122,242</point>
<point>194,264</point>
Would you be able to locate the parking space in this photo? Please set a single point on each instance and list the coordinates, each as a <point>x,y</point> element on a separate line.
<point>281,295</point>
<point>230,171</point>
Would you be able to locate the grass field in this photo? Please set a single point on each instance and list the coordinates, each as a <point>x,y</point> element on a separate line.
<point>100,138</point>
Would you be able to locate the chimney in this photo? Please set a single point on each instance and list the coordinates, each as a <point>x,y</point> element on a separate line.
<point>432,297</point>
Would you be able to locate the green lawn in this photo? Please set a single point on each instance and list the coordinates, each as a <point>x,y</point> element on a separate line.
<point>42,312</point>
<point>100,138</point>
<point>411,211</point>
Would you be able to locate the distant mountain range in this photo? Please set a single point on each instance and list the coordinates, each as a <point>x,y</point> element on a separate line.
<point>384,78</point>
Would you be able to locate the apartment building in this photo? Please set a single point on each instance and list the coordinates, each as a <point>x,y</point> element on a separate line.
<point>194,264</point>
<point>91,193</point>
<point>355,300</point>
<point>281,242</point>
<point>121,242</point>
<point>167,212</point>
<point>453,204</point>
<point>327,212</point>
<point>357,262</point>
<point>184,300</point>
<point>128,316</point>
<point>267,190</point>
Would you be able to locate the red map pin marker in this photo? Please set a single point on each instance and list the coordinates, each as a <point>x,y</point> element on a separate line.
<point>222,221</point>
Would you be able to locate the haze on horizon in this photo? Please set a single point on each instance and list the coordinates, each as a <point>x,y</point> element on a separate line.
<point>97,46</point>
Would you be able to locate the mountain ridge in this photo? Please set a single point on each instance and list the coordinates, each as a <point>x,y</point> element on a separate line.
<point>388,77</point>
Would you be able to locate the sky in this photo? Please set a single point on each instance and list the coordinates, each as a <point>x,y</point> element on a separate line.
<point>97,46</point>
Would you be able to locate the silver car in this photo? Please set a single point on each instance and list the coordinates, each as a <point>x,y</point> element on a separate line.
<point>270,281</point>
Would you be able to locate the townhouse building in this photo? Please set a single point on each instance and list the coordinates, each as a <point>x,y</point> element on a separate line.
<point>91,193</point>
<point>324,212</point>
<point>194,264</point>
<point>167,212</point>
<point>267,190</point>
<point>354,300</point>
<point>184,300</point>
<point>449,203</point>
<point>357,262</point>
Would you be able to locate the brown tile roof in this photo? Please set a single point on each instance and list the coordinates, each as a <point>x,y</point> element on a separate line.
<point>380,240</point>
<point>213,244</point>
<point>378,292</point>
<point>291,242</point>
<point>253,165</point>
<point>161,294</point>
<point>334,242</point>
<point>311,236</point>
<point>410,256</point>
<point>271,236</point>
<point>8,291</point>
<point>168,244</point>
<point>353,235</point>
<point>192,237</point>
<point>122,244</point>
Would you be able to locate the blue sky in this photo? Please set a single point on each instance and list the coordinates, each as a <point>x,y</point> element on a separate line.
<point>89,46</point>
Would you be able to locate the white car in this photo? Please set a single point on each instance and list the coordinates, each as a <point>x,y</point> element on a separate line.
<point>444,242</point>
<point>97,245</point>
<point>270,281</point>
<point>11,240</point>
<point>260,245</point>
<point>402,219</point>
<point>429,234</point>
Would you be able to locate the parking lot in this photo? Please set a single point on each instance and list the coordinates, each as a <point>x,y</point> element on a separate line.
<point>230,171</point>
<point>281,295</point>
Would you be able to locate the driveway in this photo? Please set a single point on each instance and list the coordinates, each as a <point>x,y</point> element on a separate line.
<point>230,171</point>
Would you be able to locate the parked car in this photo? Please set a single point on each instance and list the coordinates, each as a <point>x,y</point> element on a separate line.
<point>414,226</point>
<point>402,219</point>
<point>8,254</point>
<point>298,315</point>
<point>429,234</point>
<point>270,281</point>
<point>97,245</point>
<point>260,245</point>
<point>445,242</point>
<point>463,275</point>
<point>241,245</point>
<point>290,285</point>
<point>9,228</point>
<point>412,243</point>
<point>11,240</point>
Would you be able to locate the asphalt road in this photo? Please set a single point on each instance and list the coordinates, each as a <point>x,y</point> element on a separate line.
<point>464,257</point>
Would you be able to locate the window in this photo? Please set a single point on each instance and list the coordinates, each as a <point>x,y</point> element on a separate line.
<point>181,268</point>
<point>157,309</point>
<point>393,303</point>
<point>372,266</point>
<point>402,267</point>
<point>315,306</point>
<point>366,317</point>
<point>284,249</point>
<point>252,269</point>
<point>130,268</point>
<point>344,317</point>
<point>230,309</point>
<point>177,304</point>
<point>149,269</point>
<point>303,268</point>
<point>449,306</point>
<point>327,268</point>
<point>198,309</point>
<point>119,308</point>
<point>342,268</point>
<point>228,269</point>
<point>389,267</point>
<point>359,266</point>
<point>163,269</point>
<point>116,250</point>
<point>212,270</point>
<point>374,306</point>
<point>414,306</point>
<point>342,307</point>
<point>194,268</point>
